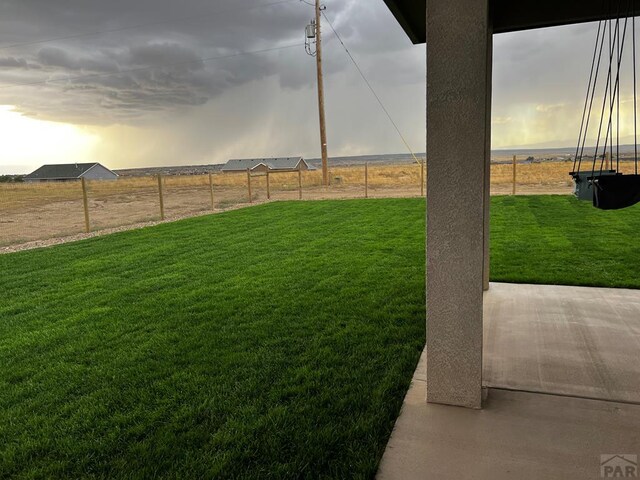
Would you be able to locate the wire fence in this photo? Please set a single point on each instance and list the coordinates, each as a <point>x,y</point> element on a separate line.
<point>40,211</point>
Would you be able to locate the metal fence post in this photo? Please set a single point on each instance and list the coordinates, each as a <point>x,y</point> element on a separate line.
<point>249,185</point>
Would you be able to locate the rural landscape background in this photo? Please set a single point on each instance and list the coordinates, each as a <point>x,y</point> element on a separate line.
<point>35,212</point>
<point>244,325</point>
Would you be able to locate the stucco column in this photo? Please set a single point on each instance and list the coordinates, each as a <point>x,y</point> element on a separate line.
<point>458,144</point>
<point>487,170</point>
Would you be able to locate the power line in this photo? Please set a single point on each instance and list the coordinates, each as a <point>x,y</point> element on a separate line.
<point>395,125</point>
<point>142,69</point>
<point>141,25</point>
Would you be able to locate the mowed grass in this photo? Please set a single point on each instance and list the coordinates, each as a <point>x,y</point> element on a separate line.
<point>272,342</point>
<point>560,240</point>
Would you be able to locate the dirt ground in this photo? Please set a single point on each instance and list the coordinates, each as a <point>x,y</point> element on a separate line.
<point>49,212</point>
<point>64,218</point>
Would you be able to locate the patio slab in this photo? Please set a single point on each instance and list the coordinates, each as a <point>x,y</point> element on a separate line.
<point>563,376</point>
<point>516,436</point>
<point>576,341</point>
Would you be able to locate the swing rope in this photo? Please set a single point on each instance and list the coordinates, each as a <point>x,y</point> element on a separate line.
<point>635,102</point>
<point>610,189</point>
<point>580,150</point>
<point>615,93</point>
<point>617,38</point>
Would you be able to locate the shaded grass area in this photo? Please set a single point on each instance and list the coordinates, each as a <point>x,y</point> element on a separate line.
<point>560,240</point>
<point>271,342</point>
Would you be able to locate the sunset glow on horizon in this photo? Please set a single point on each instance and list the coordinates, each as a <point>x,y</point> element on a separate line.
<point>28,143</point>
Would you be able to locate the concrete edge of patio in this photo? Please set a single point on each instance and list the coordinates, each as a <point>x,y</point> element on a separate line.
<point>536,337</point>
<point>516,436</point>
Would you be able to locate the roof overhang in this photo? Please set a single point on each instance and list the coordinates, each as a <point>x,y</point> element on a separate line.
<point>511,15</point>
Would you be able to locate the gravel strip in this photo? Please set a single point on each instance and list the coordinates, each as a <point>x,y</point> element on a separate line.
<point>50,242</point>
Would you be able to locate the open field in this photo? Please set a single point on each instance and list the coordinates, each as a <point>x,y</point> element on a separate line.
<point>250,344</point>
<point>30,212</point>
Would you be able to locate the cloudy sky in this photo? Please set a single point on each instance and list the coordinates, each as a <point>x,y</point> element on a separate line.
<point>160,82</point>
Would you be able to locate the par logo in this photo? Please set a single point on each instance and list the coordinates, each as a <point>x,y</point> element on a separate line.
<point>619,466</point>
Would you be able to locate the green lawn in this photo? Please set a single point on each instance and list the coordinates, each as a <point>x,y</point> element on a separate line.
<point>560,240</point>
<point>271,342</point>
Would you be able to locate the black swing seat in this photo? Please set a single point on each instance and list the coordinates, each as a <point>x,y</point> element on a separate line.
<point>613,192</point>
<point>582,183</point>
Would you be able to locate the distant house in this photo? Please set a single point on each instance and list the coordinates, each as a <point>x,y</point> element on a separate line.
<point>71,171</point>
<point>288,164</point>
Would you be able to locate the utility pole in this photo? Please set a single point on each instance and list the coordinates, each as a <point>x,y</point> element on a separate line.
<point>314,31</point>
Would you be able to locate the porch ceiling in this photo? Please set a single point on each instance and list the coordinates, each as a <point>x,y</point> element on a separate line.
<point>509,15</point>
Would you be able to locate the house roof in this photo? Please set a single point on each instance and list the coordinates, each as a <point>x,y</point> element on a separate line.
<point>62,171</point>
<point>285,163</point>
<point>511,15</point>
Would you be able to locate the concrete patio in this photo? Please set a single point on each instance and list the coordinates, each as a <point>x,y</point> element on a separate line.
<point>562,380</point>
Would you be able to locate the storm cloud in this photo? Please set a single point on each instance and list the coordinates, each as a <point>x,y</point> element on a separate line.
<point>117,61</point>
<point>198,80</point>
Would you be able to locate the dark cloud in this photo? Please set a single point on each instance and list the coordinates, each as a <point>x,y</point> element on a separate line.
<point>149,56</point>
<point>170,60</point>
<point>169,67</point>
<point>13,62</point>
<point>165,53</point>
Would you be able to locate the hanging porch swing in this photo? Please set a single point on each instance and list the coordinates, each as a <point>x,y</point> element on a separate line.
<point>603,184</point>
